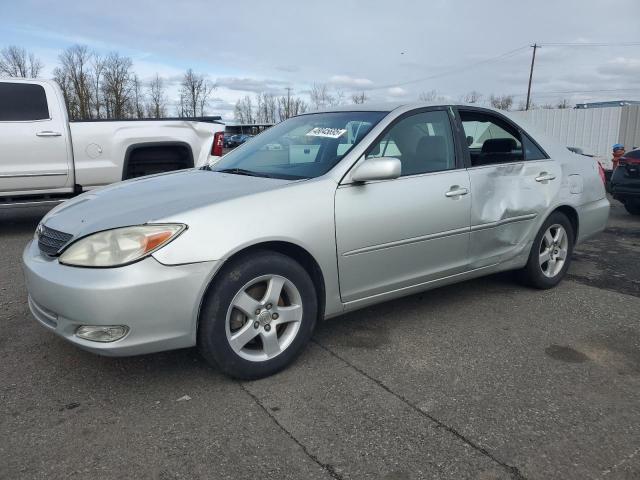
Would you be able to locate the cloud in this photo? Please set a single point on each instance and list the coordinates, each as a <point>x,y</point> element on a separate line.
<point>621,66</point>
<point>396,92</point>
<point>350,82</point>
<point>253,85</point>
<point>287,68</point>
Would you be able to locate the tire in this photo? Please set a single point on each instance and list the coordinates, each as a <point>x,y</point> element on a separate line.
<point>241,314</point>
<point>632,206</point>
<point>542,274</point>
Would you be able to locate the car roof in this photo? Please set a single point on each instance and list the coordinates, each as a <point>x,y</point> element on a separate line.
<point>391,106</point>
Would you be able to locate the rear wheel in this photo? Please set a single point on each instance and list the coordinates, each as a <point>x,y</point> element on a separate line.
<point>551,253</point>
<point>258,316</point>
<point>632,206</point>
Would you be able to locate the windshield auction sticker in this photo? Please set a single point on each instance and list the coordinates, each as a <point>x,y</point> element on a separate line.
<point>326,132</point>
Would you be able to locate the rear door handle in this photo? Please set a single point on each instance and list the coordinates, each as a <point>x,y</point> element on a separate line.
<point>48,133</point>
<point>544,177</point>
<point>456,191</point>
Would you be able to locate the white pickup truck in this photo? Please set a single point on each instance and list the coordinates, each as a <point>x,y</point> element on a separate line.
<point>44,158</point>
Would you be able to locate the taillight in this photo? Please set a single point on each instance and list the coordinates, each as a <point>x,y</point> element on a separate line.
<point>218,143</point>
<point>601,172</point>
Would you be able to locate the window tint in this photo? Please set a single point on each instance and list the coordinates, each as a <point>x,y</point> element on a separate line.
<point>531,152</point>
<point>306,146</point>
<point>422,142</point>
<point>490,139</point>
<point>22,101</point>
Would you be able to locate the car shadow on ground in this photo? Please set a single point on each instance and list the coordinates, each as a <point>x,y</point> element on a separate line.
<point>368,328</point>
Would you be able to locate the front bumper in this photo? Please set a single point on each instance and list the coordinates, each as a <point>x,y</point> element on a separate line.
<point>158,303</point>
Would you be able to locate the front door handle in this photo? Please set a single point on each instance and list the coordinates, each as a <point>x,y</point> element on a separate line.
<point>456,191</point>
<point>48,133</point>
<point>545,177</point>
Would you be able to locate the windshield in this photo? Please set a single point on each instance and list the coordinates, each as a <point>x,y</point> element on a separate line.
<point>306,146</point>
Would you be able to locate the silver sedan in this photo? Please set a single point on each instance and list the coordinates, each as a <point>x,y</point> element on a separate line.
<point>322,214</point>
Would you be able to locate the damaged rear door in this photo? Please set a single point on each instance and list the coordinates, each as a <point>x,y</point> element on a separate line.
<point>513,184</point>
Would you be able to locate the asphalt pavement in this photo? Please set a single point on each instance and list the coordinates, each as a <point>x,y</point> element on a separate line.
<point>485,379</point>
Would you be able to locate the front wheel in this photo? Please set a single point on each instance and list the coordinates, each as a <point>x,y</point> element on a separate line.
<point>258,315</point>
<point>551,252</point>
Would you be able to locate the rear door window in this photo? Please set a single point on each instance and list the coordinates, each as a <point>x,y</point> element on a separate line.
<point>22,102</point>
<point>490,139</point>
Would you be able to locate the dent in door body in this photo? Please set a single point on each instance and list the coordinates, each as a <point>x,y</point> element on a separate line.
<point>507,206</point>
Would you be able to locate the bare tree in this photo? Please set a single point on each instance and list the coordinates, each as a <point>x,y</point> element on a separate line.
<point>98,65</point>
<point>290,106</point>
<point>17,62</point>
<point>137,97</point>
<point>359,98</point>
<point>430,96</point>
<point>266,108</point>
<point>63,80</point>
<point>471,97</point>
<point>195,90</point>
<point>502,102</point>
<point>157,98</point>
<point>320,96</point>
<point>298,106</point>
<point>564,103</point>
<point>243,112</point>
<point>75,68</point>
<point>117,85</point>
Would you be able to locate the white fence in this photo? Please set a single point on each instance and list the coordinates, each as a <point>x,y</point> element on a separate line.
<point>592,129</point>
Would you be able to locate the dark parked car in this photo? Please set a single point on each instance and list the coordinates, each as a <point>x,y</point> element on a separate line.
<point>625,182</point>
<point>238,139</point>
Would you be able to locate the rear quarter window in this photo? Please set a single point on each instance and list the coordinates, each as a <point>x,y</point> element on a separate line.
<point>531,151</point>
<point>22,101</point>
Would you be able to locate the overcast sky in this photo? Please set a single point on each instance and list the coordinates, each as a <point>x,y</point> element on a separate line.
<point>381,47</point>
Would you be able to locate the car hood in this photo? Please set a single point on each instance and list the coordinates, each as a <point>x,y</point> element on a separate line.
<point>149,199</point>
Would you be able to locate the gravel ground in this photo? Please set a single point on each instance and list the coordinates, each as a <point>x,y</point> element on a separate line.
<point>485,379</point>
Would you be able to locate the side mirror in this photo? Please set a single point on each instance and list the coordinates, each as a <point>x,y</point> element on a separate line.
<point>382,168</point>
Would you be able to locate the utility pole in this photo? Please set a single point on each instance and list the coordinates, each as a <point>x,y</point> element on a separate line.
<point>535,46</point>
<point>288,108</point>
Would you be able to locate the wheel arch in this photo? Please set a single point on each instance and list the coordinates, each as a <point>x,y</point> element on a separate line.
<point>572,214</point>
<point>291,250</point>
<point>136,147</point>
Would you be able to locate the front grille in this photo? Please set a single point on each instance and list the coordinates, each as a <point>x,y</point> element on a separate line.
<point>50,241</point>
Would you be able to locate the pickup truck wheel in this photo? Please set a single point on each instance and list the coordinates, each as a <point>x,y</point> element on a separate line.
<point>258,315</point>
<point>632,206</point>
<point>550,254</point>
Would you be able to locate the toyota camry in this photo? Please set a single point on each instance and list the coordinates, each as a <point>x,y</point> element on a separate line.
<point>322,214</point>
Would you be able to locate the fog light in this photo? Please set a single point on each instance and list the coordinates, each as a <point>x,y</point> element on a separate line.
<point>102,333</point>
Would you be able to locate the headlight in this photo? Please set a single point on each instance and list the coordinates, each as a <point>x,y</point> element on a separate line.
<point>114,248</point>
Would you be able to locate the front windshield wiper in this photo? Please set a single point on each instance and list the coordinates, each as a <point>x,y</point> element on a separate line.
<point>242,171</point>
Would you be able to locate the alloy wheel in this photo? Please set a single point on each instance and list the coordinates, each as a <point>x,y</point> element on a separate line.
<point>264,318</point>
<point>554,249</point>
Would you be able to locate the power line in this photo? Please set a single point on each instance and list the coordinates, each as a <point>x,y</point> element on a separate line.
<point>455,70</point>
<point>543,94</point>
<point>502,56</point>
<point>585,44</point>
